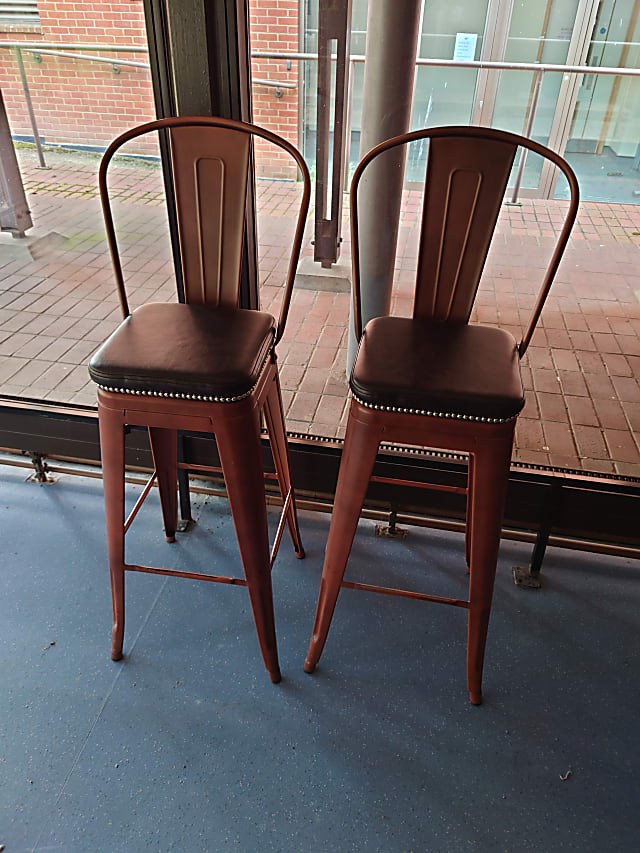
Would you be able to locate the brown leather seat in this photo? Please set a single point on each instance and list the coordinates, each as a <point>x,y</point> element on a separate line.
<point>186,350</point>
<point>438,368</point>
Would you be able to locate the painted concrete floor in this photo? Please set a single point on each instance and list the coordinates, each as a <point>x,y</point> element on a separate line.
<point>185,745</point>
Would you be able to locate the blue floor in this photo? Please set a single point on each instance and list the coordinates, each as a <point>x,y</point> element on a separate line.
<point>185,745</point>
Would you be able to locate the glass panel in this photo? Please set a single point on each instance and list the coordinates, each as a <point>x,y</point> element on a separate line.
<point>57,291</point>
<point>312,354</point>
<point>445,95</point>
<point>538,32</point>
<point>309,107</point>
<point>604,142</point>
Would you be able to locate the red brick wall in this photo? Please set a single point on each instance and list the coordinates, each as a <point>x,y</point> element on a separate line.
<point>274,27</point>
<point>83,102</point>
<point>75,100</point>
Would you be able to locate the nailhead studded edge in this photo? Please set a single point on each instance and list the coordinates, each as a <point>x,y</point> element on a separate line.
<point>179,396</point>
<point>426,413</point>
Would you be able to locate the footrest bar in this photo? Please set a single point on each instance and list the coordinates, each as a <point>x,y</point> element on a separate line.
<point>174,573</point>
<point>405,593</point>
<point>440,487</point>
<point>140,501</point>
<point>216,469</point>
<point>283,518</point>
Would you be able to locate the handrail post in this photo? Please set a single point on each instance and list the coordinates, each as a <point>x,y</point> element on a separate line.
<point>334,26</point>
<point>32,116</point>
<point>347,132</point>
<point>528,127</point>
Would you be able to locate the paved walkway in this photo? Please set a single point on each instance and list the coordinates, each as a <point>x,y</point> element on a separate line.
<point>582,372</point>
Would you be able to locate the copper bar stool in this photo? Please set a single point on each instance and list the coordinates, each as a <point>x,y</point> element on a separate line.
<point>206,365</point>
<point>434,380</point>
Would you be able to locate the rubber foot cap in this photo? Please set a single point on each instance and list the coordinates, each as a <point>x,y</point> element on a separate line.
<point>275,677</point>
<point>170,538</point>
<point>476,698</point>
<point>301,554</point>
<point>309,667</point>
<point>116,655</point>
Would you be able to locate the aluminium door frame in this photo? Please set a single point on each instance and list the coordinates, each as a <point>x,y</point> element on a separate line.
<point>568,95</point>
<point>498,22</point>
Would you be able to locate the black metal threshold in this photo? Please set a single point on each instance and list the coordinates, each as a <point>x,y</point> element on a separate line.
<point>545,506</point>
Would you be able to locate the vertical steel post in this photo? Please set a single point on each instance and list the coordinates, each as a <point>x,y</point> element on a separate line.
<point>347,133</point>
<point>14,209</point>
<point>32,115</point>
<point>528,128</point>
<point>393,28</point>
<point>334,27</point>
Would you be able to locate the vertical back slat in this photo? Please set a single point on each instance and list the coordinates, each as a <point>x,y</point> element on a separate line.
<point>465,184</point>
<point>210,167</point>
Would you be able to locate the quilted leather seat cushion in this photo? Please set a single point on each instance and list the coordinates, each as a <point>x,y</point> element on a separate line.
<point>439,367</point>
<point>188,349</point>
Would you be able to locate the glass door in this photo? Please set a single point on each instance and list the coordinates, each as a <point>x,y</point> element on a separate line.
<point>445,95</point>
<point>604,137</point>
<point>538,33</point>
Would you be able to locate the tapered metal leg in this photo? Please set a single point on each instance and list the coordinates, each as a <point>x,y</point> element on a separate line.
<point>359,453</point>
<point>467,529</point>
<point>274,418</point>
<point>112,450</point>
<point>490,479</point>
<point>238,442</point>
<point>164,446</point>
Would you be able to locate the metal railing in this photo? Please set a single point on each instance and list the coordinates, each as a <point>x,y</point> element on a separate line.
<point>70,51</point>
<point>538,69</point>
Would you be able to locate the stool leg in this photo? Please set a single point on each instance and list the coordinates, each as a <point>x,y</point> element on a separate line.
<point>359,453</point>
<point>469,514</point>
<point>164,446</point>
<point>238,442</point>
<point>112,451</point>
<point>274,418</point>
<point>490,478</point>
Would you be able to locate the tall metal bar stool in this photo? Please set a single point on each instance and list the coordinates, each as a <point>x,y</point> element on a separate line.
<point>205,365</point>
<point>433,379</point>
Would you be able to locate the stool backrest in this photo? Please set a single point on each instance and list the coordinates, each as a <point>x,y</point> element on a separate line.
<point>466,179</point>
<point>210,160</point>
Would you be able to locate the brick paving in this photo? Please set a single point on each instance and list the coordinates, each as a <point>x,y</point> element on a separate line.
<point>582,371</point>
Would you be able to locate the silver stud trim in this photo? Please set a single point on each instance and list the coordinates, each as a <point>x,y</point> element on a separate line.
<point>429,414</point>
<point>176,396</point>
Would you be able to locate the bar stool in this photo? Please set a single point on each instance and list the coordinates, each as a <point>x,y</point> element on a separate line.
<point>205,365</point>
<point>433,379</point>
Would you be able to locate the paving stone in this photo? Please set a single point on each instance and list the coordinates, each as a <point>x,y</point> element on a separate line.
<point>30,372</point>
<point>546,380</point>
<point>573,383</point>
<point>590,442</point>
<point>303,406</point>
<point>552,407</point>
<point>622,446</point>
<point>627,388</point>
<point>10,366</point>
<point>13,343</point>
<point>632,411</point>
<point>581,411</point>
<point>558,439</point>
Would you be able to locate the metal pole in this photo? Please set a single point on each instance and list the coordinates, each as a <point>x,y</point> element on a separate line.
<point>32,116</point>
<point>347,132</point>
<point>527,132</point>
<point>392,39</point>
<point>334,28</point>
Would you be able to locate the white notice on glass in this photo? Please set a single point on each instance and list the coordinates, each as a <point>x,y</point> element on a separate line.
<point>465,49</point>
